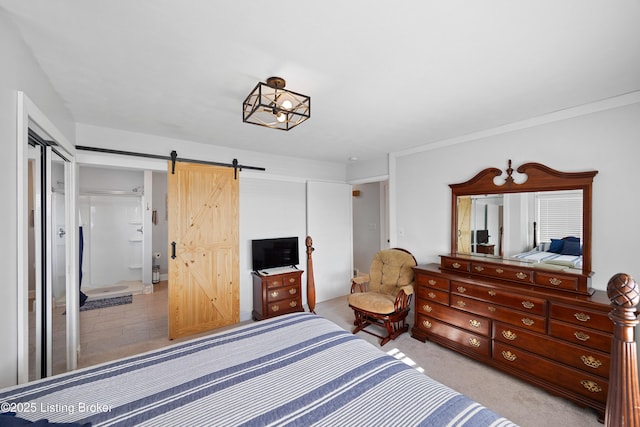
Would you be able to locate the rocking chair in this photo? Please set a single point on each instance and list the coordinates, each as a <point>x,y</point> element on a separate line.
<point>383,297</point>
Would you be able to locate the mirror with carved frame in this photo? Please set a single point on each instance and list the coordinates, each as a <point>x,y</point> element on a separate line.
<point>496,216</point>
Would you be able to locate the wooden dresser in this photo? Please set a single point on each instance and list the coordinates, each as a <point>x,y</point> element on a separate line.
<point>553,339</point>
<point>276,294</point>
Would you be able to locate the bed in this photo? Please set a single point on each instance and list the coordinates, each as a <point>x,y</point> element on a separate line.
<point>561,253</point>
<point>295,369</point>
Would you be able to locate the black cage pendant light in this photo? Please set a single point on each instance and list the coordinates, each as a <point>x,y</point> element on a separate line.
<point>270,104</point>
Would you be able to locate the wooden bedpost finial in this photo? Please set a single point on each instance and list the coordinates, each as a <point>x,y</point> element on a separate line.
<point>311,284</point>
<point>623,398</point>
<point>623,291</point>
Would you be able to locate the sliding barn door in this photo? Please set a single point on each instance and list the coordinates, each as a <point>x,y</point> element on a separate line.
<point>203,249</point>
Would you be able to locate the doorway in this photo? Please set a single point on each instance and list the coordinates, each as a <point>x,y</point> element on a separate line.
<point>46,283</point>
<point>370,222</point>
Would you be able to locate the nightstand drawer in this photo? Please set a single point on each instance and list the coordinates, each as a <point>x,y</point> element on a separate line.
<point>282,293</point>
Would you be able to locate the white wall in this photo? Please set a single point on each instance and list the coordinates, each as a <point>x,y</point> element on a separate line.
<point>272,202</point>
<point>269,209</point>
<point>607,141</point>
<point>20,72</point>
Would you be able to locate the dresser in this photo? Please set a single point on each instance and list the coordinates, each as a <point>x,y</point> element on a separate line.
<point>276,294</point>
<point>557,341</point>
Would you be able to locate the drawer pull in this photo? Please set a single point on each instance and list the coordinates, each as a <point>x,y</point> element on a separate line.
<point>479,268</point>
<point>275,307</point>
<point>499,270</point>
<point>431,295</point>
<point>527,304</point>
<point>520,275</point>
<point>591,386</point>
<point>426,324</point>
<point>526,321</point>
<point>491,309</point>
<point>292,280</point>
<point>474,323</point>
<point>591,361</point>
<point>474,342</point>
<point>275,283</point>
<point>432,282</point>
<point>273,294</point>
<point>492,293</point>
<point>461,289</point>
<point>509,356</point>
<point>293,304</point>
<point>582,317</point>
<point>456,265</point>
<point>555,281</point>
<point>581,336</point>
<point>509,335</point>
<point>461,303</point>
<point>427,308</point>
<point>293,291</point>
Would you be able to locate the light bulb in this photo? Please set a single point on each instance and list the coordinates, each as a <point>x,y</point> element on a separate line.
<point>281,117</point>
<point>286,104</point>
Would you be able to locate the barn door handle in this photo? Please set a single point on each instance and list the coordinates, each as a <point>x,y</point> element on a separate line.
<point>173,250</point>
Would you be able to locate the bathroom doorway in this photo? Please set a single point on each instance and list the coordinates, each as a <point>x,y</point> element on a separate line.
<point>123,223</point>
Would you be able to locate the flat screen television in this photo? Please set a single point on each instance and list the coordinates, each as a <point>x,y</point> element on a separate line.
<point>273,253</point>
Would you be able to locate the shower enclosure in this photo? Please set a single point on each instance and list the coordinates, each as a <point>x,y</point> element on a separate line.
<point>112,250</point>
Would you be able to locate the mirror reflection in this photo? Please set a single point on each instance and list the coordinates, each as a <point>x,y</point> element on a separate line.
<point>540,227</point>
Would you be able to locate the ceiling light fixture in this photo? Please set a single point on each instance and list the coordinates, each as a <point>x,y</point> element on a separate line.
<point>270,104</point>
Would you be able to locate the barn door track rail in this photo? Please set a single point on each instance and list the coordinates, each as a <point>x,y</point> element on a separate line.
<point>174,158</point>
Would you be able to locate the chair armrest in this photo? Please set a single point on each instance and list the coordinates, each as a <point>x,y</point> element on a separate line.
<point>359,283</point>
<point>403,299</point>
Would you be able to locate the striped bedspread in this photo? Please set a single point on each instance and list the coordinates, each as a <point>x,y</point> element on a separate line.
<point>572,261</point>
<point>298,369</point>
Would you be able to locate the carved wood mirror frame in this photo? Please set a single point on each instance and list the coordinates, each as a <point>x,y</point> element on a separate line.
<point>538,178</point>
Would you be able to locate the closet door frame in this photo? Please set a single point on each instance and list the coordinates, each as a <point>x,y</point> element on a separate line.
<point>30,115</point>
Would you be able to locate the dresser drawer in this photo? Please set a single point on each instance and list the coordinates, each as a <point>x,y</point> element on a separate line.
<point>580,382</point>
<point>477,343</point>
<point>283,280</point>
<point>469,321</point>
<point>276,294</point>
<point>581,316</point>
<point>519,302</point>
<point>586,359</point>
<point>503,272</point>
<point>432,295</point>
<point>283,306</point>
<point>432,281</point>
<point>498,312</point>
<point>578,335</point>
<point>455,264</point>
<point>556,281</point>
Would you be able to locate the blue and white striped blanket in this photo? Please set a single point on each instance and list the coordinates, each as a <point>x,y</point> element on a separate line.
<point>298,369</point>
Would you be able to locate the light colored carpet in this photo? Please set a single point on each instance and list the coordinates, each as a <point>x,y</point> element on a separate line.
<point>522,403</point>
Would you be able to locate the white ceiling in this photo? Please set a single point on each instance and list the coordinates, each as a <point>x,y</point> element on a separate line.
<point>383,76</point>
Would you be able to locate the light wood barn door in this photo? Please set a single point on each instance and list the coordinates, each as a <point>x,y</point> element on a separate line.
<point>203,227</point>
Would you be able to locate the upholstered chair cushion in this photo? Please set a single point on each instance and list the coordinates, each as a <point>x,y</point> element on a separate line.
<point>375,302</point>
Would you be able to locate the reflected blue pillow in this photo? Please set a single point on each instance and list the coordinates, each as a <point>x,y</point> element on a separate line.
<point>571,246</point>
<point>556,245</point>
